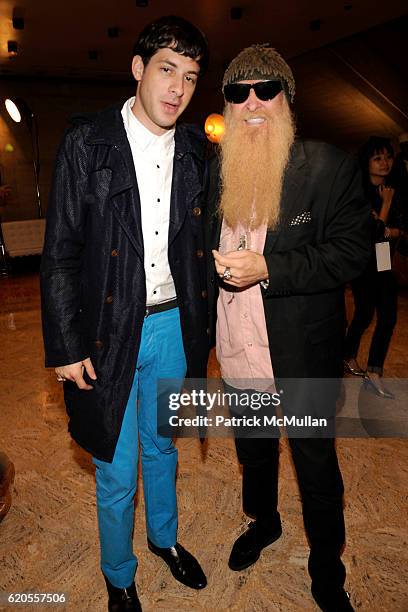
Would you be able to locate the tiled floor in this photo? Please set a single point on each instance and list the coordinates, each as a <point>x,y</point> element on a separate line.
<point>48,542</point>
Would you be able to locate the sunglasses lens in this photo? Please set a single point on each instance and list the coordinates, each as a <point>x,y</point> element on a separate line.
<point>267,90</point>
<point>236,92</point>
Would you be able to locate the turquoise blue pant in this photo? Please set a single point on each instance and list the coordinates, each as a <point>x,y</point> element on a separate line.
<point>161,355</point>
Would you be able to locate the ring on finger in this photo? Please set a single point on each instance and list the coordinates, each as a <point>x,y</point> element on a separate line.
<point>227,273</point>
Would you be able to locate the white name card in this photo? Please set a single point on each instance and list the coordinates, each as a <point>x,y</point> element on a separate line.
<point>383,255</point>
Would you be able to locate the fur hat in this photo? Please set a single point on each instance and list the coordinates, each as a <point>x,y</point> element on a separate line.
<point>260,62</point>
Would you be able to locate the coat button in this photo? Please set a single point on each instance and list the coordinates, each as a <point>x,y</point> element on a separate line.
<point>115,253</point>
<point>109,299</point>
<point>98,344</point>
<point>200,253</point>
<point>208,331</point>
<point>204,293</point>
<point>196,211</point>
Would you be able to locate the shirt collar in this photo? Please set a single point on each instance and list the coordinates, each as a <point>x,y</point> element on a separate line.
<point>144,138</point>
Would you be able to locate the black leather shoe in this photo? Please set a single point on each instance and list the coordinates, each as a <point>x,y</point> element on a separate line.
<point>122,600</point>
<point>332,601</point>
<point>247,548</point>
<point>184,567</point>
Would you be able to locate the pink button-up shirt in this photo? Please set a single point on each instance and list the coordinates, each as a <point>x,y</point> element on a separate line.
<point>242,338</point>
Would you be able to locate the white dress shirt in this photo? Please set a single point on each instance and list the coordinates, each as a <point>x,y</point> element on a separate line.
<point>153,158</point>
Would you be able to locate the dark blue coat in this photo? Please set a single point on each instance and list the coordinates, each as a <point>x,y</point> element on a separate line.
<point>92,277</point>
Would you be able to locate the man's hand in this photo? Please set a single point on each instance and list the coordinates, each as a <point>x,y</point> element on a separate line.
<point>246,267</point>
<point>75,371</point>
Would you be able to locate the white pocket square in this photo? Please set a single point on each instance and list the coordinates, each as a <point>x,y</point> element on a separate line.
<point>304,217</point>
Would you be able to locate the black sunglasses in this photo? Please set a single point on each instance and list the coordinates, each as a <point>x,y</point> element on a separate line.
<point>264,90</point>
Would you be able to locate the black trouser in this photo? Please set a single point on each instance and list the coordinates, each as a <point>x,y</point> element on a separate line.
<point>373,292</point>
<point>321,489</point>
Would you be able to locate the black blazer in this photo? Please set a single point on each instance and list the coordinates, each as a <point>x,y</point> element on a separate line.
<point>320,244</point>
<point>92,275</point>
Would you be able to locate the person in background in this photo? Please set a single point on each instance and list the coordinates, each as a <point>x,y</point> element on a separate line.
<point>123,293</point>
<point>376,292</point>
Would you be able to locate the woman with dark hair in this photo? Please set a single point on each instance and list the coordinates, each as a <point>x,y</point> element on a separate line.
<point>376,291</point>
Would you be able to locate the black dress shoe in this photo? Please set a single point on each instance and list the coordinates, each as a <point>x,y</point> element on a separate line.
<point>184,567</point>
<point>247,548</point>
<point>332,600</point>
<point>122,600</point>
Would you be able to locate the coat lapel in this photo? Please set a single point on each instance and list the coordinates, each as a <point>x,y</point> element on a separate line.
<point>123,192</point>
<point>127,209</point>
<point>293,184</point>
<point>186,187</point>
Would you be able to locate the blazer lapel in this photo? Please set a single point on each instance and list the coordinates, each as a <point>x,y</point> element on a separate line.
<point>293,183</point>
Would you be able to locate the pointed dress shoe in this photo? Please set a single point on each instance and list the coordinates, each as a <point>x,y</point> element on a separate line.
<point>374,382</point>
<point>184,567</point>
<point>248,547</point>
<point>122,600</point>
<point>332,601</point>
<point>351,367</point>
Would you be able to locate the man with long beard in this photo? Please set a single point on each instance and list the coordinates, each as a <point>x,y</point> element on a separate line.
<point>287,227</point>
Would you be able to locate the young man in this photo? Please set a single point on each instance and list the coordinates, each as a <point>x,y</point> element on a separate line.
<point>291,229</point>
<point>123,295</point>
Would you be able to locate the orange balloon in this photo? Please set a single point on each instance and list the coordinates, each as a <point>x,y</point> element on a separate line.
<point>214,127</point>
